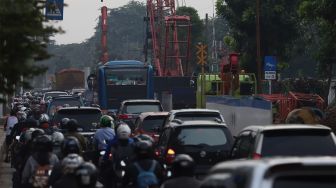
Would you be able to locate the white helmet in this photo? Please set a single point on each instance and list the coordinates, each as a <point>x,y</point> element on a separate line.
<point>71,162</point>
<point>123,132</point>
<point>57,138</point>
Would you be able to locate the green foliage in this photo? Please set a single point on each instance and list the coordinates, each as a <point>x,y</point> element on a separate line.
<point>23,40</point>
<point>322,15</point>
<point>278,27</point>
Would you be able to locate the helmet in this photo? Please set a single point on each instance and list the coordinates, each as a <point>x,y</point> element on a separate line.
<point>302,116</point>
<point>124,132</point>
<point>183,165</point>
<point>44,118</point>
<point>143,149</point>
<point>106,121</point>
<point>36,133</point>
<point>72,125</point>
<point>71,162</point>
<point>143,137</point>
<point>87,174</point>
<point>64,121</point>
<point>57,138</point>
<point>26,136</point>
<point>43,143</point>
<point>71,145</point>
<point>21,115</point>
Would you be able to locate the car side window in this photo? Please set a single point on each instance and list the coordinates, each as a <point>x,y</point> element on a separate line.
<point>137,123</point>
<point>242,146</point>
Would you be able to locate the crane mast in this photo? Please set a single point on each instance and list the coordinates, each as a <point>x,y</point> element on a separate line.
<point>169,37</point>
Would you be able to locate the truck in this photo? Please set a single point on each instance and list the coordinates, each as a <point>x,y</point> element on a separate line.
<point>68,79</point>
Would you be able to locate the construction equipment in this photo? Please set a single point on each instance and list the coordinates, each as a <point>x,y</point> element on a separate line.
<point>167,49</point>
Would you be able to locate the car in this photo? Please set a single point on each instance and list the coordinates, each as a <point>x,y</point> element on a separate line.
<point>289,172</point>
<point>193,114</point>
<point>150,123</point>
<point>284,140</point>
<point>130,110</point>
<point>51,94</point>
<point>47,97</point>
<point>207,142</point>
<point>87,117</point>
<point>62,101</point>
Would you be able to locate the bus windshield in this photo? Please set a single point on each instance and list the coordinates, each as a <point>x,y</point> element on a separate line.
<point>132,76</point>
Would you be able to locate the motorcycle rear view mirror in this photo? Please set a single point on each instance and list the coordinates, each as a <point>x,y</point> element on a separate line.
<point>17,137</point>
<point>102,153</point>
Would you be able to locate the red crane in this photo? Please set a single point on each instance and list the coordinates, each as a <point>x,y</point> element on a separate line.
<point>104,55</point>
<point>170,38</point>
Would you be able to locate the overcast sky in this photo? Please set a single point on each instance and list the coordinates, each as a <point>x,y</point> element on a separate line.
<point>81,16</point>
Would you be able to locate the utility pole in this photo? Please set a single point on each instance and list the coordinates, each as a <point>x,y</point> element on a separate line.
<point>258,45</point>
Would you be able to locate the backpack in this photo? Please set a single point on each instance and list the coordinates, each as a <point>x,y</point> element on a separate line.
<point>148,178</point>
<point>41,176</point>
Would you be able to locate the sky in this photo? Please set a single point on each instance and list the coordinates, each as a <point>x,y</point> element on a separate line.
<point>81,16</point>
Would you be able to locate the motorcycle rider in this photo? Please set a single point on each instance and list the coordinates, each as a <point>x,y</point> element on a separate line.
<point>144,162</point>
<point>103,135</point>
<point>44,124</point>
<point>57,140</point>
<point>41,160</point>
<point>70,146</point>
<point>183,168</point>
<point>69,165</point>
<point>72,130</point>
<point>118,155</point>
<point>87,175</point>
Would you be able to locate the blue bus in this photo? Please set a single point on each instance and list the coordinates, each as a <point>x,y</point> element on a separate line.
<point>122,80</point>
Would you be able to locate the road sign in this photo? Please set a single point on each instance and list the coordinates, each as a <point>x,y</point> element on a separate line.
<point>270,66</point>
<point>54,9</point>
<point>201,54</point>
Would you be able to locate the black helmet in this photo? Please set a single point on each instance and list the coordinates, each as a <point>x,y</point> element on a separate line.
<point>71,145</point>
<point>64,122</point>
<point>183,165</point>
<point>43,143</point>
<point>87,175</point>
<point>36,133</point>
<point>72,125</point>
<point>144,149</point>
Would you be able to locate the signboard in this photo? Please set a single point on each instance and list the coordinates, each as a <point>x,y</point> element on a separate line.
<point>270,65</point>
<point>54,9</point>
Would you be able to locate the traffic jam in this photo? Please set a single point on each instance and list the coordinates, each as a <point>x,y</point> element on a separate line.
<point>52,139</point>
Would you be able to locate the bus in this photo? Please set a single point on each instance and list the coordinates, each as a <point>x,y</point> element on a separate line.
<point>122,80</point>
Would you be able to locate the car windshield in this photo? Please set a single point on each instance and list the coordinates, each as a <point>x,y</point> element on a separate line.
<point>305,181</point>
<point>151,122</point>
<point>201,136</point>
<point>87,119</point>
<point>63,102</point>
<point>298,143</point>
<point>48,95</point>
<point>138,108</point>
<point>197,116</point>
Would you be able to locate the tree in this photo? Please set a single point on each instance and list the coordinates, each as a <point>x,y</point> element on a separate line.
<point>321,14</point>
<point>23,40</point>
<point>278,28</point>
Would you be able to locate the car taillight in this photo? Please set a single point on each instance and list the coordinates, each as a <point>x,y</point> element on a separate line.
<point>123,116</point>
<point>110,156</point>
<point>170,156</point>
<point>256,156</point>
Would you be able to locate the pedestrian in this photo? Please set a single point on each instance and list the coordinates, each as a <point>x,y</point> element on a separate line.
<point>10,122</point>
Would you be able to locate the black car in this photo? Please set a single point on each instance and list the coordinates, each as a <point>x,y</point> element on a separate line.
<point>130,110</point>
<point>87,118</point>
<point>207,142</point>
<point>62,101</point>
